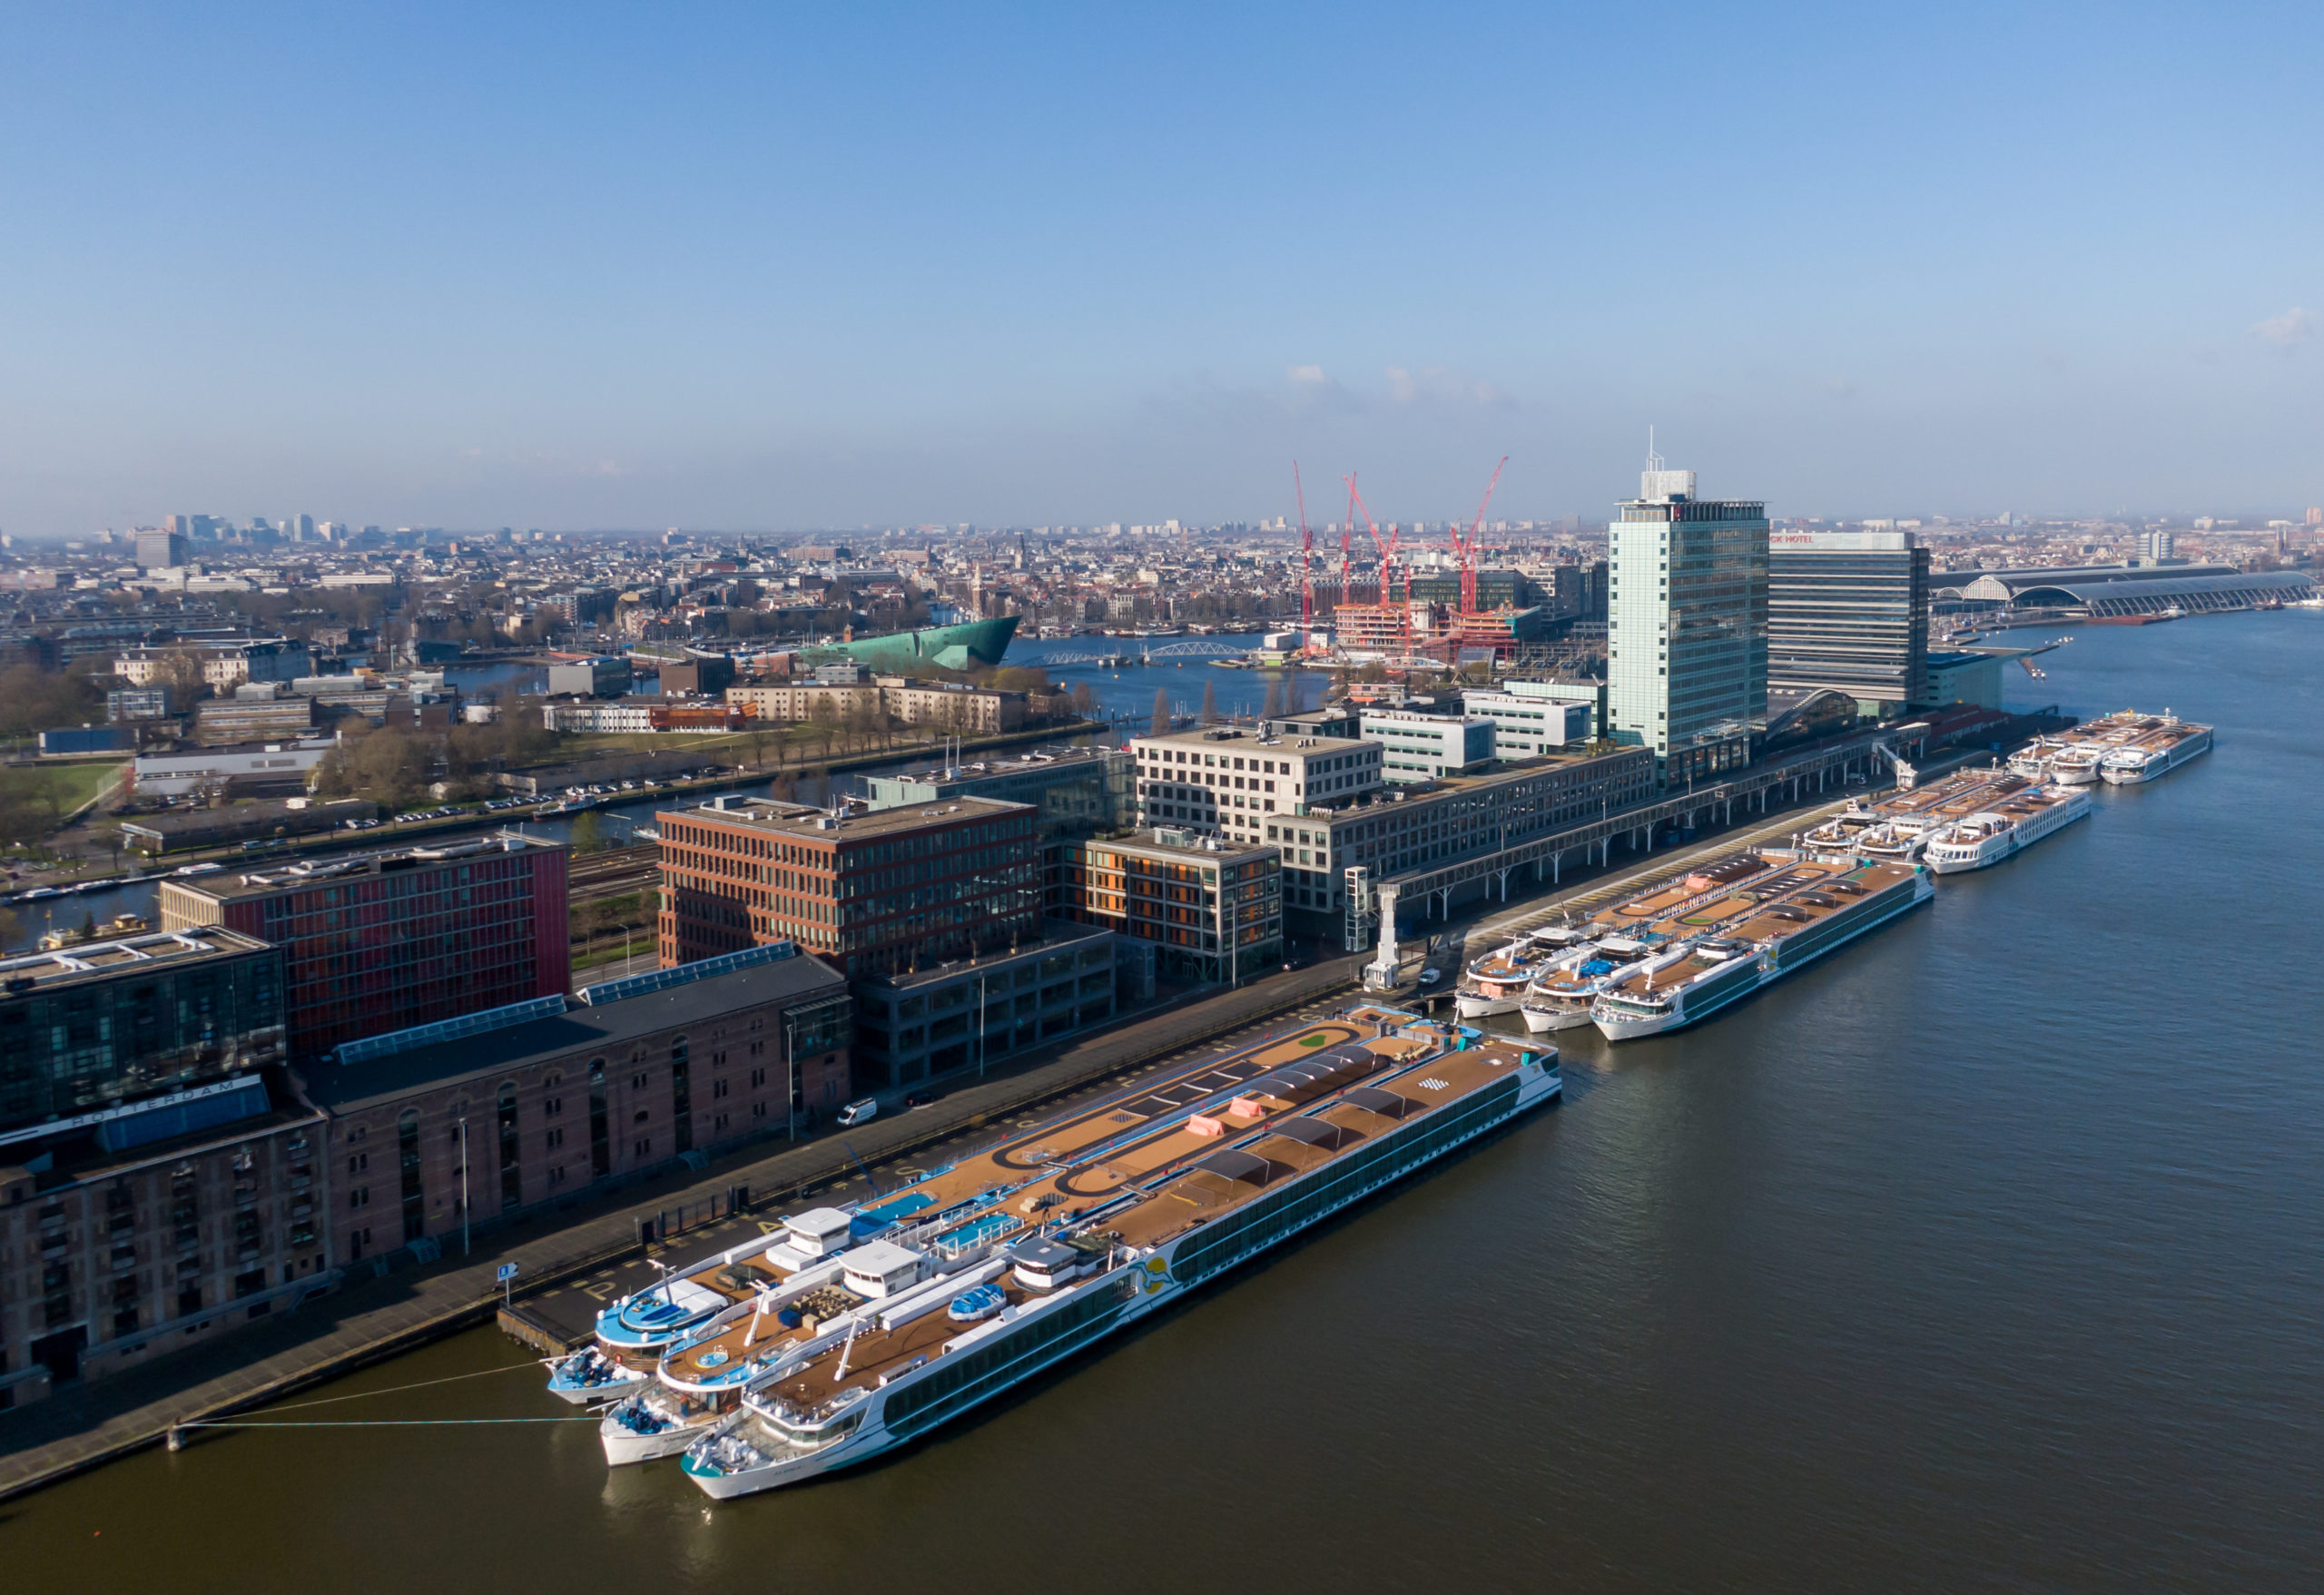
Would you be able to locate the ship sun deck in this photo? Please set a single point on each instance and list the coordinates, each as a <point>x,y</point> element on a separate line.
<point>1307,1126</point>
<point>1806,891</point>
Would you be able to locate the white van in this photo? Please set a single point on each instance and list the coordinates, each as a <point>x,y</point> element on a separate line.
<point>856,1113</point>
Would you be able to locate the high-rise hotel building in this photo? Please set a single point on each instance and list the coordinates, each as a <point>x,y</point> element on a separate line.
<point>1686,631</point>
<point>1849,611</point>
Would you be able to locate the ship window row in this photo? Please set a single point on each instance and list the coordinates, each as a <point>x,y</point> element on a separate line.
<point>1262,1225</point>
<point>962,1378</point>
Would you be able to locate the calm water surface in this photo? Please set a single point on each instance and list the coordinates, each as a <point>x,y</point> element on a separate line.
<point>1985,1255</point>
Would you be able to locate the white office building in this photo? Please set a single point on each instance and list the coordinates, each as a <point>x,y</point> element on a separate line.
<point>1230,781</point>
<point>1428,747</point>
<point>1686,633</point>
<point>1530,718</point>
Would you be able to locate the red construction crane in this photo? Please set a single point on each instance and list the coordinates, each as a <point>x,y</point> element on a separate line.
<point>1465,548</point>
<point>1306,562</point>
<point>1387,547</point>
<point>1347,526</point>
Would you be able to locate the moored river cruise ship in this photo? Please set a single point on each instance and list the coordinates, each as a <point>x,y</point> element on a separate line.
<point>1988,837</point>
<point>2158,749</point>
<point>1771,922</point>
<point>979,1294</point>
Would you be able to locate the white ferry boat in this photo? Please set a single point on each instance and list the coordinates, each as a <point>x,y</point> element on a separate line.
<point>2156,752</point>
<point>1769,925</point>
<point>1136,1228</point>
<point>1987,838</point>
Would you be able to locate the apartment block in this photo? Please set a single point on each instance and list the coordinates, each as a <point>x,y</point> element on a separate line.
<point>1212,911</point>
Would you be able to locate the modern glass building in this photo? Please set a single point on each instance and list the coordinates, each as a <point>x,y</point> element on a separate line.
<point>102,1030</point>
<point>373,942</point>
<point>1849,610</point>
<point>1686,634</point>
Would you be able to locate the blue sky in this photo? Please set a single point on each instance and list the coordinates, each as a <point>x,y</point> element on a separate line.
<point>777,267</point>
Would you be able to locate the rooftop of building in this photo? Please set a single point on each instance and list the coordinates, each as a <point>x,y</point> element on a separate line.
<point>281,744</point>
<point>71,1155</point>
<point>357,866</point>
<point>1054,936</point>
<point>1247,736</point>
<point>1480,781</point>
<point>124,955</point>
<point>847,825</point>
<point>607,1025</point>
<point>1176,843</point>
<point>1035,762</point>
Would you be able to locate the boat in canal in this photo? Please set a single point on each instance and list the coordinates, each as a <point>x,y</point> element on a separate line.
<point>1989,836</point>
<point>1789,910</point>
<point>935,1321</point>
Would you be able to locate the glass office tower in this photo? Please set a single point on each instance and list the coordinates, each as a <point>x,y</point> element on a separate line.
<point>1686,630</point>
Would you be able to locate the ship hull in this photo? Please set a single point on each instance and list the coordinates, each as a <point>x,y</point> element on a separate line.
<point>951,647</point>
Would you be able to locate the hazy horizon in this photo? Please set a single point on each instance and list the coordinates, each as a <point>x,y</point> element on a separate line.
<point>575,266</point>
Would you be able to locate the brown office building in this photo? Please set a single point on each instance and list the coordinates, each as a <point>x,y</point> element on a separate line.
<point>868,893</point>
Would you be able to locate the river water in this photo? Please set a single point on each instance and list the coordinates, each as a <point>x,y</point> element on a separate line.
<point>1987,1253</point>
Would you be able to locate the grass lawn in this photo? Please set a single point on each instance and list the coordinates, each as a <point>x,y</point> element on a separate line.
<point>71,784</point>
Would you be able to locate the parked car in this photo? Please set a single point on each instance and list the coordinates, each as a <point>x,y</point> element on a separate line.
<point>856,1113</point>
<point>1430,976</point>
<point>919,1098</point>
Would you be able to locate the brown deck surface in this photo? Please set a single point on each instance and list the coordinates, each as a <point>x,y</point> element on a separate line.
<point>1169,1210</point>
<point>1809,891</point>
<point>1072,1190</point>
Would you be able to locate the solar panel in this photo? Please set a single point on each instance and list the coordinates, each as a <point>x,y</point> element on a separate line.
<point>701,969</point>
<point>467,1024</point>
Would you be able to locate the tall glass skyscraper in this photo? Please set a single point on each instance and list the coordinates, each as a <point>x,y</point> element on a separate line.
<point>1687,625</point>
<point>1849,610</point>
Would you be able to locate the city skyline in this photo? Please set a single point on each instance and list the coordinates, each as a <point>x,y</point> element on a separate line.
<point>821,273</point>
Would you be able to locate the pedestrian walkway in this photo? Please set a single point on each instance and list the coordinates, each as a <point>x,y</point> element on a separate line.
<point>376,1317</point>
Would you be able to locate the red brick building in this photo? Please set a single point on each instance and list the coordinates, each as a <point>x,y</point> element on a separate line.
<point>541,1108</point>
<point>870,894</point>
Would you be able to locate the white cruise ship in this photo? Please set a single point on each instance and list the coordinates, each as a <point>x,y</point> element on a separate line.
<point>2155,753</point>
<point>1770,925</point>
<point>1987,838</point>
<point>1560,997</point>
<point>1496,983</point>
<point>977,1303</point>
